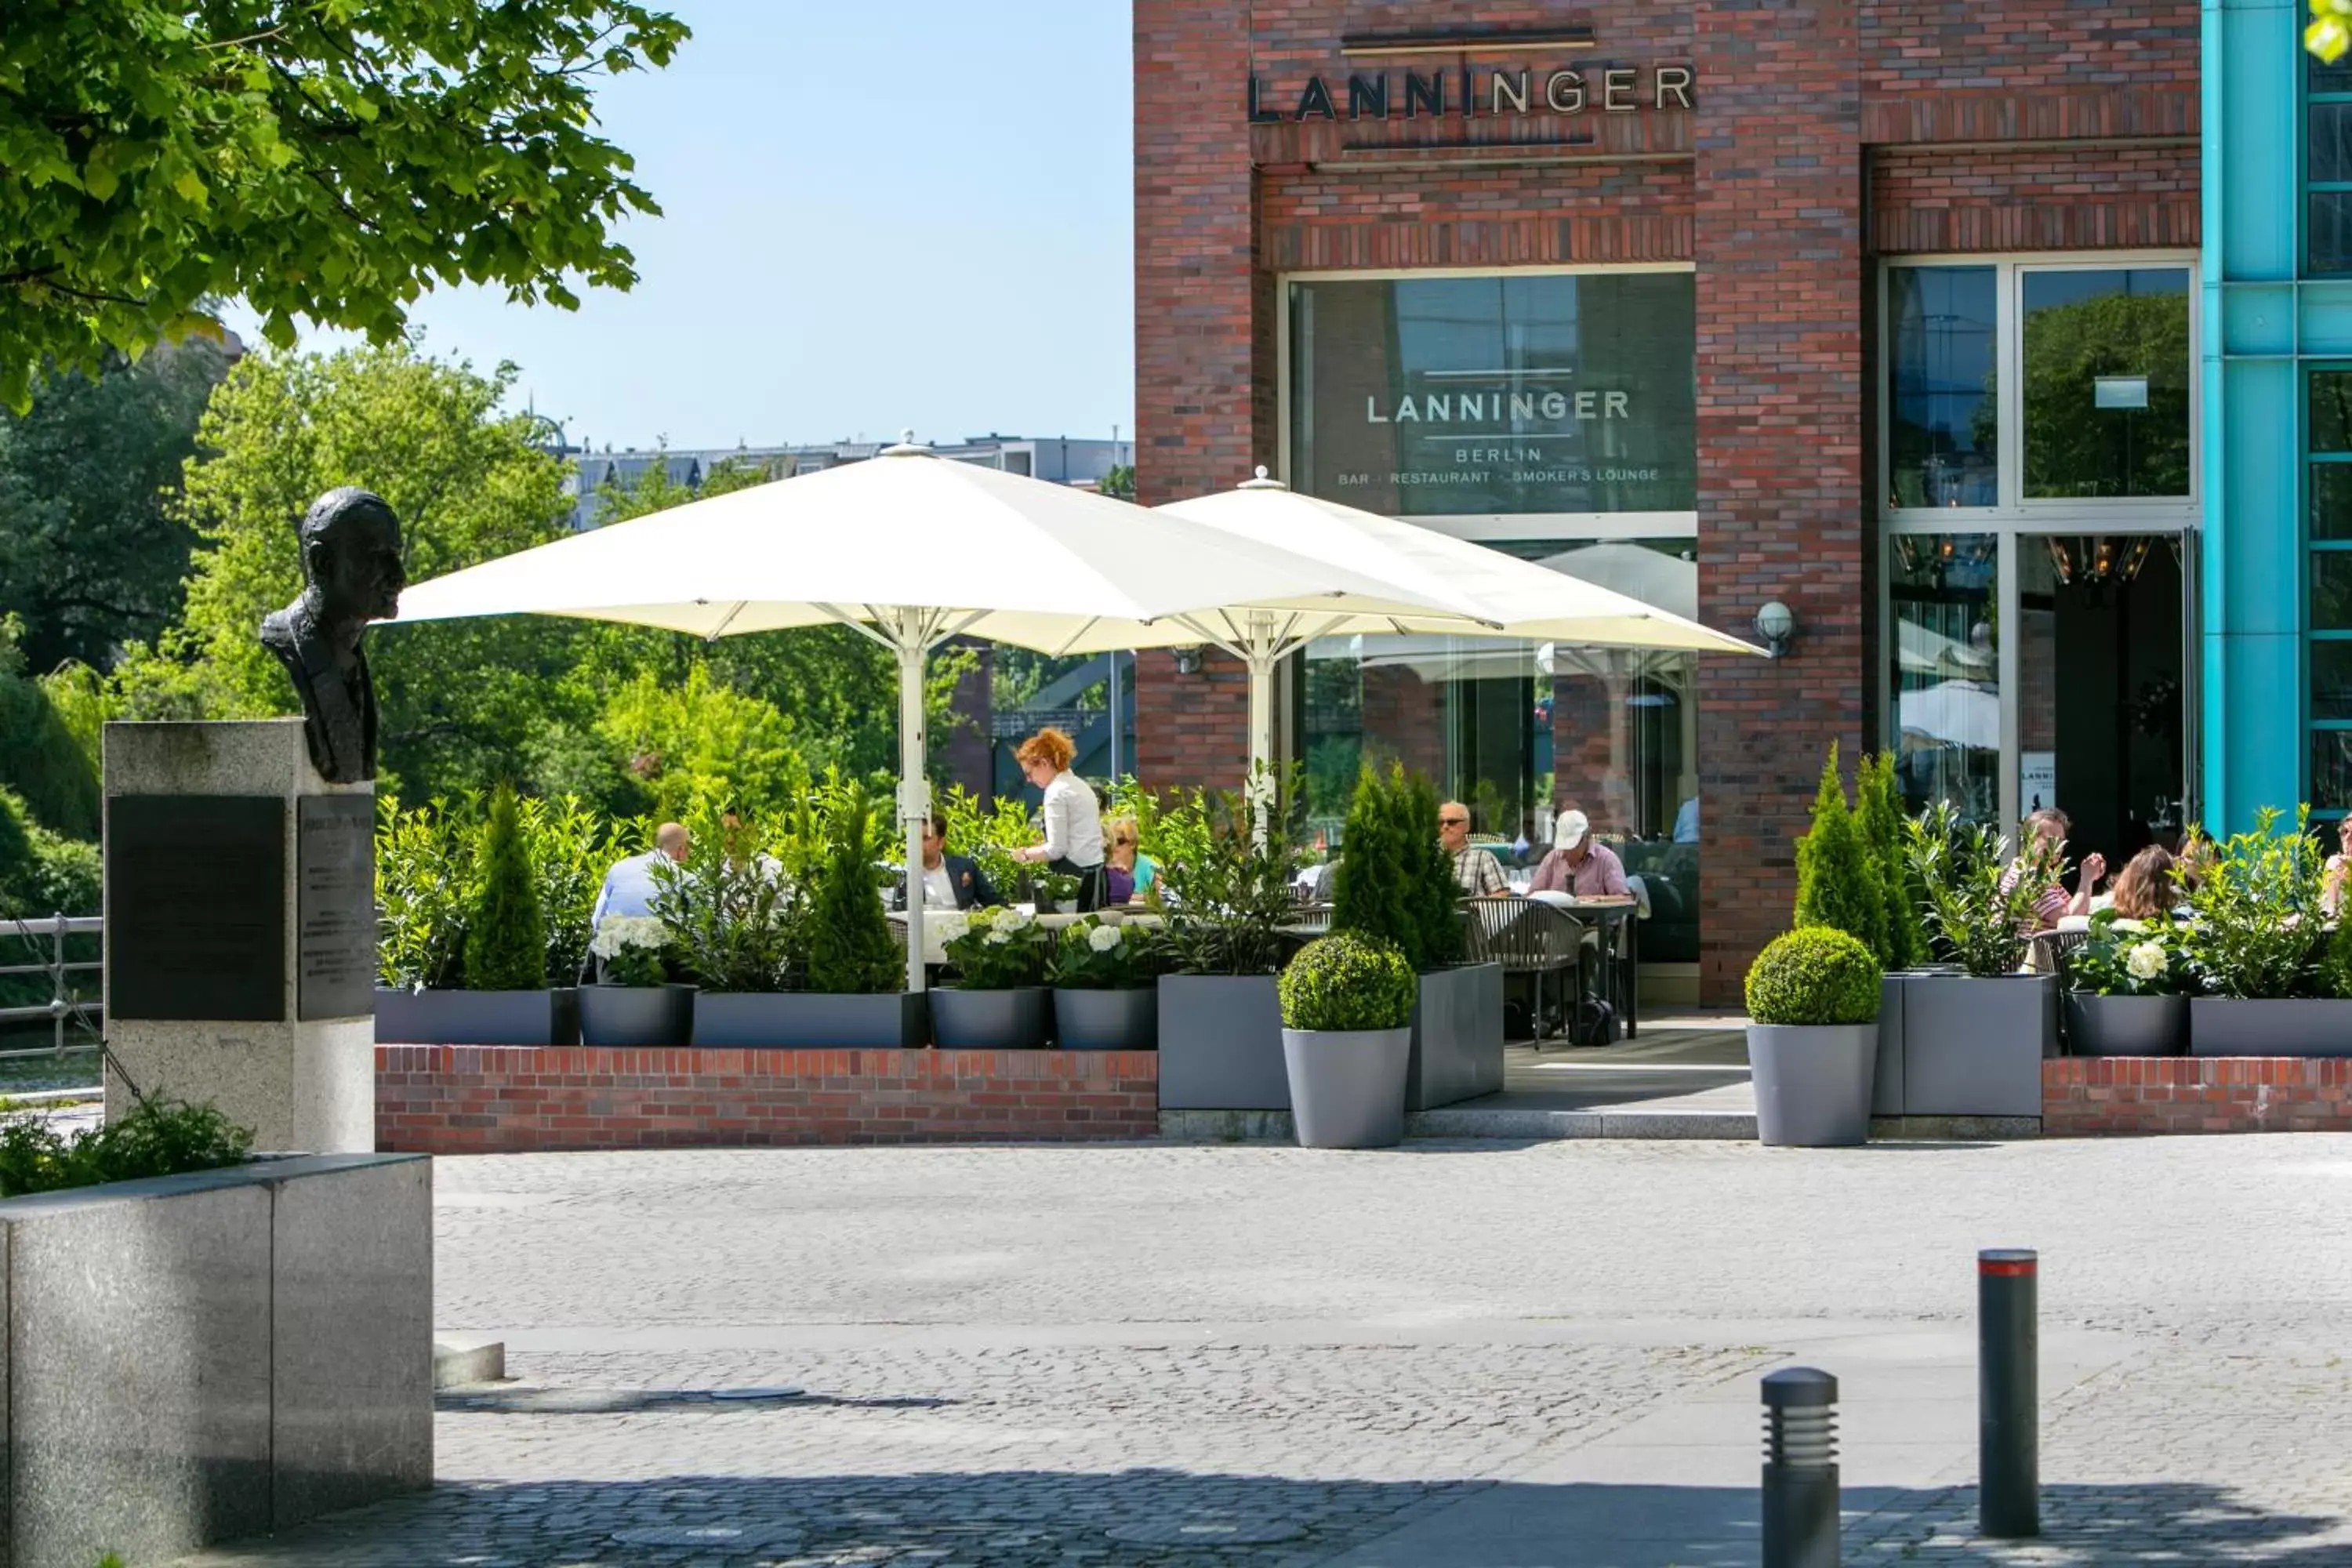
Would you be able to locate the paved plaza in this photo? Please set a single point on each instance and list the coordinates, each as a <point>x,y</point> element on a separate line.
<point>1488,1354</point>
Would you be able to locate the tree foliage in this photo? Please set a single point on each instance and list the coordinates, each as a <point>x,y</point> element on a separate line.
<point>91,553</point>
<point>42,759</point>
<point>327,160</point>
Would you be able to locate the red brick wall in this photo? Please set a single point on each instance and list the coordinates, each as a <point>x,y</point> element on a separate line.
<point>504,1099</point>
<point>2091,1096</point>
<point>1926,48</point>
<point>1517,216</point>
<point>1190,730</point>
<point>1925,199</point>
<point>1781,507</point>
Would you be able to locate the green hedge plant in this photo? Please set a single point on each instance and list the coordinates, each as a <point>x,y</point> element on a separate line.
<point>154,1138</point>
<point>1813,975</point>
<point>1838,885</point>
<point>1225,902</point>
<point>730,909</point>
<point>851,948</point>
<point>1348,982</point>
<point>1979,903</point>
<point>1396,881</point>
<point>1878,816</point>
<point>2254,931</point>
<point>505,937</point>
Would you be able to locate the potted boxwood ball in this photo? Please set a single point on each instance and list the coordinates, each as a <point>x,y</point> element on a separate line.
<point>1347,1039</point>
<point>1104,999</point>
<point>2127,990</point>
<point>1812,1038</point>
<point>999,1000</point>
<point>633,1004</point>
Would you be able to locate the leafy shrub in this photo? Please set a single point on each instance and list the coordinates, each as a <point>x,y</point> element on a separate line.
<point>572,845</point>
<point>1837,880</point>
<point>1434,896</point>
<point>1980,905</point>
<point>2130,958</point>
<point>424,895</point>
<point>156,1138</point>
<point>505,937</point>
<point>2254,931</point>
<point>1878,817</point>
<point>1396,881</point>
<point>1225,901</point>
<point>998,948</point>
<point>989,835</point>
<point>851,948</point>
<point>1096,954</point>
<point>1345,981</point>
<point>1813,975</point>
<point>730,909</point>
<point>42,761</point>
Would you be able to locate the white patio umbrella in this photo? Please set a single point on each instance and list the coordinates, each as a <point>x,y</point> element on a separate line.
<point>910,550</point>
<point>1489,593</point>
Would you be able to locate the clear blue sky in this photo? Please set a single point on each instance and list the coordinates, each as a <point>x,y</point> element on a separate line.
<point>877,216</point>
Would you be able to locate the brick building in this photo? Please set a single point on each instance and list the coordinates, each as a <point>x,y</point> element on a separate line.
<point>1885,312</point>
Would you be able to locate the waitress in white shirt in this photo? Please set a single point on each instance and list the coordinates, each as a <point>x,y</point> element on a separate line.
<point>1073,822</point>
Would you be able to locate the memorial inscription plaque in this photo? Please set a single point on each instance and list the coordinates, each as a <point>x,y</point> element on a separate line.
<point>334,907</point>
<point>195,906</point>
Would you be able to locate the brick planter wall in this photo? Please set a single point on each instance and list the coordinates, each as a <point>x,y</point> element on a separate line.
<point>485,1100</point>
<point>2093,1096</point>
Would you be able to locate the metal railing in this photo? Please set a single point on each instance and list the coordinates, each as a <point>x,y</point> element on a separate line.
<point>62,1008</point>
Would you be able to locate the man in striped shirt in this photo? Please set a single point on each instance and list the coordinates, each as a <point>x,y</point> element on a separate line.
<point>1475,869</point>
<point>2050,827</point>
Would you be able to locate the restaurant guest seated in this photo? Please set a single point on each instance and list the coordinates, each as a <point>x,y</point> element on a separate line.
<point>1474,868</point>
<point>1127,871</point>
<point>2054,903</point>
<point>1578,866</point>
<point>629,887</point>
<point>949,881</point>
<point>2144,890</point>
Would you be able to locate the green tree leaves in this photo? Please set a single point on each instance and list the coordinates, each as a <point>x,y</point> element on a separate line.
<point>326,161</point>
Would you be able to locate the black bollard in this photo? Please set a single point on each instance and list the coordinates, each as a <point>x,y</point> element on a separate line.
<point>2009,1396</point>
<point>1801,1472</point>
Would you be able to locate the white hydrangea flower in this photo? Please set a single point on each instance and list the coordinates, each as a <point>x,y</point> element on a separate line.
<point>997,936</point>
<point>1102,939</point>
<point>621,932</point>
<point>2145,960</point>
<point>2127,923</point>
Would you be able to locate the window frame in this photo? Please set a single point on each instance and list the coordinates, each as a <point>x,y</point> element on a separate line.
<point>2012,510</point>
<point>2311,545</point>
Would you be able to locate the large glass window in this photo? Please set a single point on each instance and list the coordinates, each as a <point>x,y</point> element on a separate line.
<point>2328,169</point>
<point>1945,593</point>
<point>1943,435</point>
<point>1522,732</point>
<point>2327,513</point>
<point>1511,393</point>
<point>2106,382</point>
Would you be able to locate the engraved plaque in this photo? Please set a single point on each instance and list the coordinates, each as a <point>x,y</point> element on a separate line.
<point>195,906</point>
<point>334,906</point>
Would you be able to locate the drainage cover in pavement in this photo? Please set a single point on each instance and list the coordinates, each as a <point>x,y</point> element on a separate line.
<point>1206,1533</point>
<point>730,1537</point>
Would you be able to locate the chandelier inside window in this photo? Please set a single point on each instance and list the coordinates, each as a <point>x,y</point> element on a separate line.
<point>2093,558</point>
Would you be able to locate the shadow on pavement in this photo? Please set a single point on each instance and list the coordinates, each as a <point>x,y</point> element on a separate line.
<point>1170,1519</point>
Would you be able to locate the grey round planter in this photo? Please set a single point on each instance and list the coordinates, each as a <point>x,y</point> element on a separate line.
<point>2126,1026</point>
<point>1813,1083</point>
<point>965,1020</point>
<point>637,1016</point>
<point>1088,1020</point>
<point>1347,1086</point>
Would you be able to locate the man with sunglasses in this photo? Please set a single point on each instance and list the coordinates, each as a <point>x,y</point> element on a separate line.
<point>1476,869</point>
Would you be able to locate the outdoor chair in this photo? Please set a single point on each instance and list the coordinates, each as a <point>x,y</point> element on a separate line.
<point>2048,953</point>
<point>1527,936</point>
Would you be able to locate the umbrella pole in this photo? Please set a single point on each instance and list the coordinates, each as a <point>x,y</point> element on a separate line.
<point>1262,661</point>
<point>914,794</point>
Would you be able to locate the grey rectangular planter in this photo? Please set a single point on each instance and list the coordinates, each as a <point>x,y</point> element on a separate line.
<point>636,1017</point>
<point>1347,1086</point>
<point>1220,1044</point>
<point>1092,1020</point>
<point>1974,1047</point>
<point>1457,1036</point>
<point>198,1358</point>
<point>477,1017</point>
<point>1813,1083</point>
<point>810,1020</point>
<point>2226,1027</point>
<point>1009,1020</point>
<point>2125,1026</point>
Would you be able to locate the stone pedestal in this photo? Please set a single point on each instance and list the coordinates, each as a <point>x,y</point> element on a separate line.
<point>240,931</point>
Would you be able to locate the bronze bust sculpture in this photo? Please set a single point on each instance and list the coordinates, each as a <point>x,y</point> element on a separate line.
<point>351,574</point>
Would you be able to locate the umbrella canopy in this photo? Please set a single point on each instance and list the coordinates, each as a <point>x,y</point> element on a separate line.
<point>1489,593</point>
<point>910,550</point>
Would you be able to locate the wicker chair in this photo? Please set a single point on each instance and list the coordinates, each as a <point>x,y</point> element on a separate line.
<point>1527,936</point>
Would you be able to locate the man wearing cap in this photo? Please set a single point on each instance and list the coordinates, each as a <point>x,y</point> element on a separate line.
<point>1579,867</point>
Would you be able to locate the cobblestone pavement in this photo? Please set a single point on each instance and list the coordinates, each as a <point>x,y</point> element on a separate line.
<point>1193,1356</point>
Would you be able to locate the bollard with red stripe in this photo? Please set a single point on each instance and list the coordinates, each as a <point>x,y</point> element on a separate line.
<point>2009,1397</point>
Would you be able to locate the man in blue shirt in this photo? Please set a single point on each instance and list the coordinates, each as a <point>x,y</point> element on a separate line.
<point>629,887</point>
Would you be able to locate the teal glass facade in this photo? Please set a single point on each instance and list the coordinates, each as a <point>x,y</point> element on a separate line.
<point>2277,365</point>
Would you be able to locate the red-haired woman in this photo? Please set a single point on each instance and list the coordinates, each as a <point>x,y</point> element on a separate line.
<point>1073,822</point>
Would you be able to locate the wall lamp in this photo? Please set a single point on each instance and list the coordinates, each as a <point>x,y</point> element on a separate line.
<point>1776,628</point>
<point>1188,657</point>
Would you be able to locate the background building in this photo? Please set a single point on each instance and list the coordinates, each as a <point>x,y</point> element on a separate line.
<point>1883,311</point>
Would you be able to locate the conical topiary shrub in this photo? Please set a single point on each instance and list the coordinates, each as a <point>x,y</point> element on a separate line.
<point>1878,816</point>
<point>1436,896</point>
<point>851,949</point>
<point>1369,899</point>
<point>1836,883</point>
<point>506,939</point>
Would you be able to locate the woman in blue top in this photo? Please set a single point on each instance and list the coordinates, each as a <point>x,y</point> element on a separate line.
<point>1128,871</point>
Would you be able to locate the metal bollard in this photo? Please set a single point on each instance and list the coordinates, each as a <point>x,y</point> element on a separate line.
<point>1801,1472</point>
<point>2009,1398</point>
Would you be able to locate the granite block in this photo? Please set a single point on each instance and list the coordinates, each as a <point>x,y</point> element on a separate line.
<point>138,1345</point>
<point>352,1341</point>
